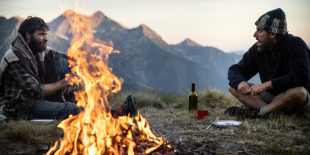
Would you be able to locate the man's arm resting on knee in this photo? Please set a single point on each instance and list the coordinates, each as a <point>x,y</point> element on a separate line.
<point>53,87</point>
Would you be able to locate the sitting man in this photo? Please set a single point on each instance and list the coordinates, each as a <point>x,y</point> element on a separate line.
<point>32,77</point>
<point>282,61</point>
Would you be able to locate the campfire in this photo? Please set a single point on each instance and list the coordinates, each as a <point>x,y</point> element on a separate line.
<point>94,130</point>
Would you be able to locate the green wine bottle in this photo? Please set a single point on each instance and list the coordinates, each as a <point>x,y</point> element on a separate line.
<point>193,99</point>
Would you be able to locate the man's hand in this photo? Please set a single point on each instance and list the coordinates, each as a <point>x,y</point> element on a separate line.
<point>53,87</point>
<point>255,90</point>
<point>68,89</point>
<point>243,87</point>
<point>69,77</point>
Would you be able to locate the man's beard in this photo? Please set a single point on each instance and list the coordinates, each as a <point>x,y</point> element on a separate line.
<point>37,46</point>
<point>265,45</point>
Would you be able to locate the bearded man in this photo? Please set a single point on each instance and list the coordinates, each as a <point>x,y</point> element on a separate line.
<point>282,61</point>
<point>32,77</point>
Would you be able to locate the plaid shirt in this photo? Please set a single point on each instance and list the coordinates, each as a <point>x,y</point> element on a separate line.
<point>17,83</point>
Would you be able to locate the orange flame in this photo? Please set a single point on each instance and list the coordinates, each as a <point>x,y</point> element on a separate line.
<point>94,130</point>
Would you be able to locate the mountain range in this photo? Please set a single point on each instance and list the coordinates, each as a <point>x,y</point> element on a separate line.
<point>145,60</point>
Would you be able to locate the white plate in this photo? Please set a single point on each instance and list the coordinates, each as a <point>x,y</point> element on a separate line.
<point>226,123</point>
<point>44,121</point>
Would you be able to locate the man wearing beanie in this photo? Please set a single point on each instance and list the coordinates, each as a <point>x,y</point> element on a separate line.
<point>282,61</point>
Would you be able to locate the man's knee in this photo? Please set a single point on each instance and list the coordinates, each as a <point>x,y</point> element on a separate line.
<point>62,66</point>
<point>233,91</point>
<point>296,94</point>
<point>62,62</point>
<point>237,94</point>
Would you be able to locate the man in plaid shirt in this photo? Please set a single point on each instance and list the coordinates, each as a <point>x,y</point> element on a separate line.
<point>32,77</point>
<point>17,83</point>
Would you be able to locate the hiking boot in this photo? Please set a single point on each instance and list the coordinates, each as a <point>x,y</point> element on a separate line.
<point>244,113</point>
<point>129,106</point>
<point>246,107</point>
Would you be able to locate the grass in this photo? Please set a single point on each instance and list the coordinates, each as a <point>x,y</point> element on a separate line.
<point>20,136</point>
<point>31,133</point>
<point>287,131</point>
<point>276,149</point>
<point>168,117</point>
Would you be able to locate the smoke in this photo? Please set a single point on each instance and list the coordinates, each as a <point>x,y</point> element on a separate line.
<point>77,7</point>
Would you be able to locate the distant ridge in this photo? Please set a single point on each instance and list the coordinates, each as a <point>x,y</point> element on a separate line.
<point>237,52</point>
<point>189,42</point>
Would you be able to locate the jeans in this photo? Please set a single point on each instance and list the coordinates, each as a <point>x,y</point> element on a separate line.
<point>51,110</point>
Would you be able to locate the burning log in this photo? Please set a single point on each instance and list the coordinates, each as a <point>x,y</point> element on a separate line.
<point>141,145</point>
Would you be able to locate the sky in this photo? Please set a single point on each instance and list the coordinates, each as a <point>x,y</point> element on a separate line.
<point>225,24</point>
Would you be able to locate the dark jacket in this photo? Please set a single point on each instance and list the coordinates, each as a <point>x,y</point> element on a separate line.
<point>286,65</point>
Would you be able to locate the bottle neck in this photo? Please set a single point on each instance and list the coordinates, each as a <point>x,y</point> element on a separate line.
<point>193,87</point>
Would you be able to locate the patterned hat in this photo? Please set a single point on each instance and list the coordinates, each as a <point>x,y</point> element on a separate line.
<point>273,21</point>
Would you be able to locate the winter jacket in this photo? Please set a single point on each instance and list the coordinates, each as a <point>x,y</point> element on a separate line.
<point>286,65</point>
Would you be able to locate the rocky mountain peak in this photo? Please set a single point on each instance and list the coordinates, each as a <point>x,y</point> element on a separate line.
<point>97,18</point>
<point>145,28</point>
<point>98,14</point>
<point>148,32</point>
<point>189,42</point>
<point>19,18</point>
<point>68,12</point>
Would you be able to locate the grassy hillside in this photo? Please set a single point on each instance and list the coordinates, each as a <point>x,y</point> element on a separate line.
<point>168,117</point>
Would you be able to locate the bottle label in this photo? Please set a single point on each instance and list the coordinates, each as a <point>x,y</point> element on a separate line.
<point>193,102</point>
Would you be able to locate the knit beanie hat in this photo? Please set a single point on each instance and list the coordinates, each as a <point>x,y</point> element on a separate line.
<point>273,21</point>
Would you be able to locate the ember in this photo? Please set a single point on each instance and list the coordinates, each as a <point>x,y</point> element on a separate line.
<point>95,131</point>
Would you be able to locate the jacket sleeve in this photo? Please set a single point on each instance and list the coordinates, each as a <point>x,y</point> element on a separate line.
<point>245,69</point>
<point>299,68</point>
<point>58,55</point>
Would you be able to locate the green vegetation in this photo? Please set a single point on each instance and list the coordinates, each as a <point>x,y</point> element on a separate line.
<point>168,117</point>
<point>211,98</point>
<point>276,149</point>
<point>31,133</point>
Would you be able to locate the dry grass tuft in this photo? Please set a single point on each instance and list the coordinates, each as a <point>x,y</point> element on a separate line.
<point>145,99</point>
<point>31,133</point>
<point>214,98</point>
<point>276,149</point>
